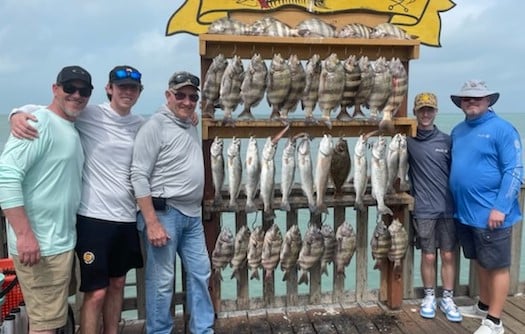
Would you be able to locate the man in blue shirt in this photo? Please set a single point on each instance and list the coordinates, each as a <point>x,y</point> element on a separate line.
<point>485,180</point>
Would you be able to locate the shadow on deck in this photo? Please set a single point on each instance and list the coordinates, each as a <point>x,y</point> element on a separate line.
<point>349,319</point>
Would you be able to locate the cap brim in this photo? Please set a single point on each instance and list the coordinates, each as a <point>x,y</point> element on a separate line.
<point>126,81</point>
<point>184,84</point>
<point>492,97</point>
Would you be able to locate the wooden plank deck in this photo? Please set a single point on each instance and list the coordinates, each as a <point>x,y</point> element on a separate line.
<point>348,319</point>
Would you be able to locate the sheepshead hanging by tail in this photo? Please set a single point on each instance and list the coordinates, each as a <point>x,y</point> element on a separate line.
<point>297,84</point>
<point>290,250</point>
<point>397,94</point>
<point>255,245</point>
<point>217,168</point>
<point>253,174</point>
<point>304,163</point>
<point>352,82</point>
<point>381,88</point>
<point>399,242</point>
<point>346,240</point>
<point>311,89</point>
<point>331,86</point>
<point>380,243</point>
<point>278,84</point>
<point>379,174</point>
<point>330,246</point>
<point>212,85</point>
<point>253,85</point>
<point>365,86</point>
<point>223,252</point>
<point>271,250</point>
<point>311,251</point>
<point>240,251</point>
<point>322,171</point>
<point>230,91</point>
<point>234,170</point>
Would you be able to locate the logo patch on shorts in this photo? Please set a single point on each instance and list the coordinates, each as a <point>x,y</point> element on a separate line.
<point>88,257</point>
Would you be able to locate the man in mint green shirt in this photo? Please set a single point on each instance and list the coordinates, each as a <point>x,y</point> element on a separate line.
<point>40,185</point>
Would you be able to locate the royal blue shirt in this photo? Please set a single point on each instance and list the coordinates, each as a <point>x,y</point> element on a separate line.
<point>486,171</point>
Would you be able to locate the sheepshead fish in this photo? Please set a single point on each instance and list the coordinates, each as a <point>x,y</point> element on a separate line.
<point>297,84</point>
<point>340,165</point>
<point>258,27</point>
<point>330,246</point>
<point>354,30</point>
<point>230,90</point>
<point>311,89</point>
<point>227,26</point>
<point>271,250</point>
<point>365,86</point>
<point>311,251</point>
<point>380,243</point>
<point>389,30</point>
<point>315,28</point>
<point>352,82</point>
<point>255,246</point>
<point>223,252</point>
<point>234,170</point>
<point>253,85</point>
<point>346,244</point>
<point>240,251</point>
<point>381,88</point>
<point>287,173</point>
<point>217,168</point>
<point>360,171</point>
<point>267,176</point>
<point>392,162</point>
<point>397,94</point>
<point>399,242</point>
<point>253,173</point>
<point>278,85</point>
<point>277,28</point>
<point>402,171</point>
<point>331,86</point>
<point>304,162</point>
<point>212,85</point>
<point>379,175</point>
<point>322,171</point>
<point>290,250</point>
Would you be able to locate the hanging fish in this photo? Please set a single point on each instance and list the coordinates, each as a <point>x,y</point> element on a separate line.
<point>230,90</point>
<point>322,171</point>
<point>399,242</point>
<point>217,168</point>
<point>330,246</point>
<point>212,84</point>
<point>253,85</point>
<point>311,89</point>
<point>331,86</point>
<point>360,171</point>
<point>381,87</point>
<point>340,166</point>
<point>346,244</point>
<point>290,250</point>
<point>365,86</point>
<point>297,84</point>
<point>223,252</point>
<point>397,94</point>
<point>311,252</point>
<point>287,173</point>
<point>380,243</point>
<point>379,174</point>
<point>271,250</point>
<point>392,162</point>
<point>352,82</point>
<point>255,245</point>
<point>234,171</point>
<point>253,174</point>
<point>240,251</point>
<point>278,85</point>
<point>402,171</point>
<point>304,163</point>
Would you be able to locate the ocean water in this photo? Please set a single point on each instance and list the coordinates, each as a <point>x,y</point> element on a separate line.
<point>445,121</point>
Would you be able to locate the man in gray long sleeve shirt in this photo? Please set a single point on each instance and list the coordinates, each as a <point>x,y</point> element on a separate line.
<point>167,174</point>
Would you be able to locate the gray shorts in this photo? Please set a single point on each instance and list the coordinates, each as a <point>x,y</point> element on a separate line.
<point>432,234</point>
<point>491,248</point>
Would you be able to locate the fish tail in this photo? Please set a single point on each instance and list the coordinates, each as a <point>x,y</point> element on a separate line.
<point>312,207</point>
<point>285,276</point>
<point>341,272</point>
<point>303,278</point>
<point>324,269</point>
<point>235,274</point>
<point>255,274</point>
<point>250,206</point>
<point>285,206</point>
<point>269,215</point>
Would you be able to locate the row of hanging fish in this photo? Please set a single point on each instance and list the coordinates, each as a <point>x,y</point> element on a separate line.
<point>258,249</point>
<point>389,243</point>
<point>312,27</point>
<point>331,84</point>
<point>387,163</point>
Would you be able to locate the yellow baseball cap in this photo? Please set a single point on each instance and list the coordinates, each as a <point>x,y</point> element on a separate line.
<point>425,100</point>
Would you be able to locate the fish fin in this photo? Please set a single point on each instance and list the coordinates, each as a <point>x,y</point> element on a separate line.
<point>324,269</point>
<point>250,207</point>
<point>285,276</point>
<point>312,208</point>
<point>285,206</point>
<point>303,278</point>
<point>255,274</point>
<point>235,274</point>
<point>269,215</point>
<point>341,272</point>
<point>246,114</point>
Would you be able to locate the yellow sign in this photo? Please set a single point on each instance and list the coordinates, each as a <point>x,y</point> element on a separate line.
<point>416,17</point>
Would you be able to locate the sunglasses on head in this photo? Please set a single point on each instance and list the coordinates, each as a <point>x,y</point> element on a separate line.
<point>179,96</point>
<point>72,89</point>
<point>184,77</point>
<point>128,73</point>
<point>466,99</point>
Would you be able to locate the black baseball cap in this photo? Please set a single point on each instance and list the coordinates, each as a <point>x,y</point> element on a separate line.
<point>124,74</point>
<point>74,72</point>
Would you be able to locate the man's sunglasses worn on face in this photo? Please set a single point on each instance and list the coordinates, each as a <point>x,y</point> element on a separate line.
<point>467,99</point>
<point>72,89</point>
<point>179,96</point>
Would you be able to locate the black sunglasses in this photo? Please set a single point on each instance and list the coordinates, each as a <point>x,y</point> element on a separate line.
<point>181,96</point>
<point>128,73</point>
<point>185,77</point>
<point>72,89</point>
<point>465,99</point>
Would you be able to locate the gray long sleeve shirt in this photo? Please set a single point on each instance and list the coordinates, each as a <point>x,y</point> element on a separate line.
<point>168,162</point>
<point>429,160</point>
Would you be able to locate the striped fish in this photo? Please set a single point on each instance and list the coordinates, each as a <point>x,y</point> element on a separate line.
<point>365,86</point>
<point>230,91</point>
<point>346,245</point>
<point>253,85</point>
<point>381,88</point>
<point>331,86</point>
<point>258,27</point>
<point>290,250</point>
<point>277,28</point>
<point>255,251</point>
<point>380,243</point>
<point>223,252</point>
<point>240,251</point>
<point>227,26</point>
<point>330,246</point>
<point>212,84</point>
<point>399,242</point>
<point>271,250</point>
<point>278,85</point>
<point>311,252</point>
<point>397,94</point>
<point>354,30</point>
<point>389,30</point>
<point>311,89</point>
<point>315,28</point>
<point>297,84</point>
<point>352,82</point>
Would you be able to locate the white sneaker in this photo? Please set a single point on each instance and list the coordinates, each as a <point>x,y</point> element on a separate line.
<point>488,327</point>
<point>428,307</point>
<point>447,306</point>
<point>472,311</point>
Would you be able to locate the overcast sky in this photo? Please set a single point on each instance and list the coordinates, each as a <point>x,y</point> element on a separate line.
<point>481,39</point>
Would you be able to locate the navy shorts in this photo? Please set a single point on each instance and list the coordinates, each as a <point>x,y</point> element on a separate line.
<point>491,248</point>
<point>432,234</point>
<point>105,250</point>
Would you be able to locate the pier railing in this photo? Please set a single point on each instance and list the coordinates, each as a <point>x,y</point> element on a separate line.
<point>391,288</point>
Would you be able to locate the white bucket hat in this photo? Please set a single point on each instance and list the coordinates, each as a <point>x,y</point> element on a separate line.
<point>474,88</point>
